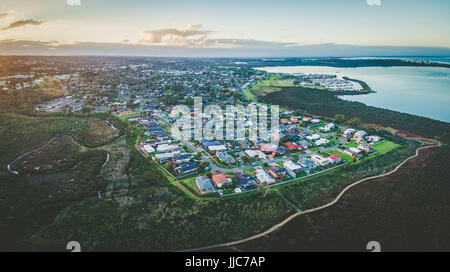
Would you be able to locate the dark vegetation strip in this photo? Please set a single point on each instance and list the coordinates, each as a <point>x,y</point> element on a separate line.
<point>329,105</point>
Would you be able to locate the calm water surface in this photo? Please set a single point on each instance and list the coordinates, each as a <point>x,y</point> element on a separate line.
<point>423,91</point>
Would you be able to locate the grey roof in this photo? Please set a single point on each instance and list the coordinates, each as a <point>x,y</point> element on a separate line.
<point>204,183</point>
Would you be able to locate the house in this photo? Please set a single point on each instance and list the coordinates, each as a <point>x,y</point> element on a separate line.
<point>182,159</point>
<point>304,144</point>
<point>166,148</point>
<point>123,113</point>
<point>313,137</point>
<point>327,128</point>
<point>225,157</point>
<point>373,139</point>
<point>364,147</point>
<point>277,172</point>
<point>217,148</point>
<point>307,165</point>
<point>240,155</point>
<point>320,160</point>
<point>210,143</point>
<point>187,168</point>
<point>204,185</point>
<point>292,146</point>
<point>290,173</point>
<point>360,134</point>
<point>315,121</point>
<point>349,132</point>
<point>233,145</point>
<point>245,180</point>
<point>164,157</point>
<point>264,178</point>
<point>268,148</point>
<point>292,166</point>
<point>353,151</point>
<point>306,119</point>
<point>334,159</point>
<point>256,153</point>
<point>219,180</point>
<point>281,150</point>
<point>285,121</point>
<point>322,141</point>
<point>149,149</point>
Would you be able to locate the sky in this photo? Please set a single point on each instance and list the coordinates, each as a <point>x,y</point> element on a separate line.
<point>225,28</point>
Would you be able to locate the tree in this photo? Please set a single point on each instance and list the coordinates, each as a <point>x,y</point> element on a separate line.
<point>355,121</point>
<point>203,165</point>
<point>339,118</point>
<point>169,166</point>
<point>198,156</point>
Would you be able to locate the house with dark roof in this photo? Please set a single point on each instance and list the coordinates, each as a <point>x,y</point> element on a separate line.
<point>233,145</point>
<point>204,185</point>
<point>307,164</point>
<point>187,168</point>
<point>246,181</point>
<point>277,172</point>
<point>182,158</point>
<point>225,157</point>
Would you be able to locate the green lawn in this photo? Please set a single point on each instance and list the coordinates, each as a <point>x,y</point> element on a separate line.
<point>190,184</point>
<point>250,95</point>
<point>250,171</point>
<point>344,156</point>
<point>130,115</point>
<point>385,147</point>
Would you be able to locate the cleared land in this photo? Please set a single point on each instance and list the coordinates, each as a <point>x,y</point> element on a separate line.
<point>97,134</point>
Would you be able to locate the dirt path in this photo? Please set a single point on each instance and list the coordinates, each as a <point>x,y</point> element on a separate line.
<point>28,153</point>
<point>290,218</point>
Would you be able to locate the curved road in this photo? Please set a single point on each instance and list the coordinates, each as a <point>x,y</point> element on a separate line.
<point>29,152</point>
<point>287,220</point>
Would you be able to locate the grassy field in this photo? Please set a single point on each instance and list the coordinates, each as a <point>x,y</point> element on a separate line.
<point>345,157</point>
<point>266,86</point>
<point>52,176</point>
<point>20,134</point>
<point>98,133</point>
<point>250,95</point>
<point>385,147</point>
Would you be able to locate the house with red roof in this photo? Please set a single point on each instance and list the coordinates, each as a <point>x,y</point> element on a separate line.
<point>334,159</point>
<point>221,179</point>
<point>293,146</point>
<point>266,148</point>
<point>285,121</point>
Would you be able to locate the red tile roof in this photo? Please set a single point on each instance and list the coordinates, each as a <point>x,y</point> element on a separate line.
<point>334,157</point>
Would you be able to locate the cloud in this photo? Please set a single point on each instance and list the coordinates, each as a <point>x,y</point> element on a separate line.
<point>21,23</point>
<point>193,36</point>
<point>6,15</point>
<point>182,35</point>
<point>374,2</point>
